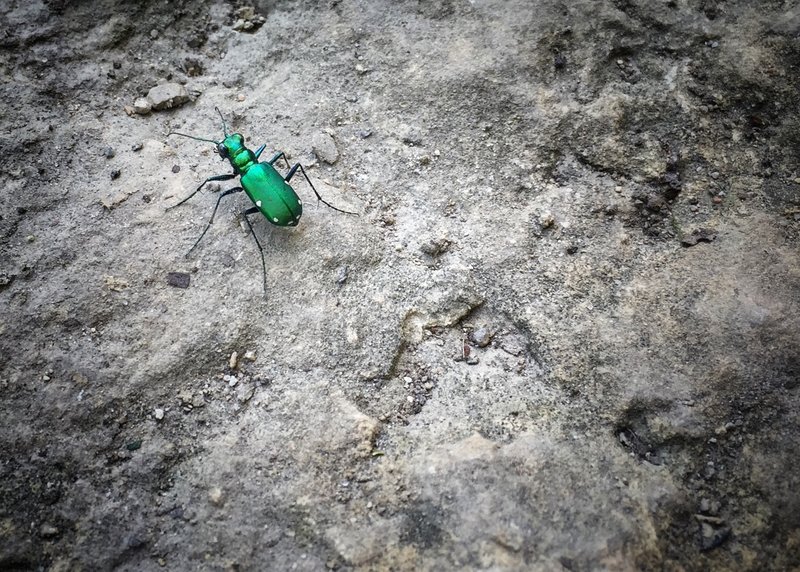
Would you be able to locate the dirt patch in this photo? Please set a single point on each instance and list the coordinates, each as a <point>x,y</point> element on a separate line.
<point>561,334</point>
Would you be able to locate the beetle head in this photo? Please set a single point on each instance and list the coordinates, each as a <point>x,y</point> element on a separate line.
<point>229,146</point>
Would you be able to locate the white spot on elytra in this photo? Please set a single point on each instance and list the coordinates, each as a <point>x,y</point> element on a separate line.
<point>299,202</point>
<point>258,204</point>
<point>274,219</point>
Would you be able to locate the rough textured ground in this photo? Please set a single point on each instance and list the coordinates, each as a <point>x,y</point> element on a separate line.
<point>563,333</point>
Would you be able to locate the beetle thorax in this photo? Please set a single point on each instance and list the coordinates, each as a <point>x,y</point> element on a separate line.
<point>233,149</point>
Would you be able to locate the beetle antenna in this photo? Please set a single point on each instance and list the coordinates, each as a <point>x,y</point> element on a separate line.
<point>224,127</point>
<point>193,137</point>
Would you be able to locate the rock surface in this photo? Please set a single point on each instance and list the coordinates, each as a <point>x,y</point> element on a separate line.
<point>161,97</point>
<point>523,169</point>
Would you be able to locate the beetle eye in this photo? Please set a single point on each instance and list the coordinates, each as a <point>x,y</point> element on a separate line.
<point>222,150</point>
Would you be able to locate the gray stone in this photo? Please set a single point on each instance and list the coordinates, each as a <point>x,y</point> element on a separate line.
<point>167,96</point>
<point>48,531</point>
<point>481,337</point>
<point>324,147</point>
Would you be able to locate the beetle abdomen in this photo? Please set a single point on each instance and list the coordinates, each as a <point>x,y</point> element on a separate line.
<point>273,196</point>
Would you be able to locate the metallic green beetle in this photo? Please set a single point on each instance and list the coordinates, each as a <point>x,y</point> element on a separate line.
<point>261,182</point>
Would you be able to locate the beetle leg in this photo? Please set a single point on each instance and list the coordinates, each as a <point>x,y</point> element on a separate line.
<point>214,212</point>
<point>255,210</point>
<point>258,151</point>
<point>277,156</point>
<point>293,170</point>
<point>197,190</point>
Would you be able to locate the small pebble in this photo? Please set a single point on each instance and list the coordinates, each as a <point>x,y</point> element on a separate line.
<point>176,168</point>
<point>178,279</point>
<point>234,360</point>
<point>115,174</point>
<point>167,96</point>
<point>136,147</point>
<point>546,221</point>
<point>216,496</point>
<point>324,147</point>
<point>158,413</point>
<point>142,106</point>
<point>108,152</point>
<point>245,393</point>
<point>341,275</point>
<point>472,360</point>
<point>250,355</point>
<point>48,531</point>
<point>481,337</point>
<point>698,235</point>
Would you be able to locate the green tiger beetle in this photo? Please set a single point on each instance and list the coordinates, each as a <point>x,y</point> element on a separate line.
<point>261,182</point>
